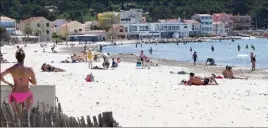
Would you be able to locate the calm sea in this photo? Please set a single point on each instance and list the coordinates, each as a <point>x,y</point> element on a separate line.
<point>225,53</point>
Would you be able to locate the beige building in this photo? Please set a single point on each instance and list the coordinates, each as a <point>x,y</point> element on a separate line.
<point>37,26</point>
<point>117,31</point>
<point>91,25</point>
<point>107,19</point>
<point>72,28</point>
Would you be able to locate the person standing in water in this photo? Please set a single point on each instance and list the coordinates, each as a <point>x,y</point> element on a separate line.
<point>253,61</point>
<point>191,50</point>
<point>212,48</point>
<point>238,47</point>
<point>150,50</point>
<point>22,76</point>
<point>195,57</point>
<point>136,45</point>
<point>246,46</point>
<point>253,47</point>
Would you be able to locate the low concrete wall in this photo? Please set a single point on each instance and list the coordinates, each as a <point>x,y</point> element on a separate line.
<point>46,93</point>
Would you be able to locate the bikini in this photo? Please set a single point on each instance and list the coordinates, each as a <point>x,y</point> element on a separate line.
<point>20,97</point>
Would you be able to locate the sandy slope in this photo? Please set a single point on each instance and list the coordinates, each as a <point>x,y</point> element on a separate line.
<point>150,97</point>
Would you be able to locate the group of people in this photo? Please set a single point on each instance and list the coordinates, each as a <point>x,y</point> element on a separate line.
<point>239,47</point>
<point>145,61</point>
<point>212,61</point>
<point>211,80</point>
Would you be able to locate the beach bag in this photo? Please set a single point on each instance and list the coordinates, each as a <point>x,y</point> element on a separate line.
<point>138,64</point>
<point>89,78</point>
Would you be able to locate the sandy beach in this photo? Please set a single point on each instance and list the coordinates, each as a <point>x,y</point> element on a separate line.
<point>151,97</point>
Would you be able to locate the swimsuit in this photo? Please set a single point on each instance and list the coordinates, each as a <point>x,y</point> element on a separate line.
<point>50,69</point>
<point>20,97</point>
<point>206,81</point>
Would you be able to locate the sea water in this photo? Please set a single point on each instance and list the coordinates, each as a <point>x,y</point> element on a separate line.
<point>225,52</point>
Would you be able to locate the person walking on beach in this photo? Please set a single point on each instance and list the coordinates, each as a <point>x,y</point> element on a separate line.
<point>195,57</point>
<point>212,48</point>
<point>101,48</point>
<point>253,61</point>
<point>191,50</point>
<point>90,58</point>
<point>22,76</point>
<point>238,47</point>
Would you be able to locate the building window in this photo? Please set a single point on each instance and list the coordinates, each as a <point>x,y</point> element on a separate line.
<point>121,30</point>
<point>185,26</point>
<point>134,28</point>
<point>47,31</point>
<point>38,25</point>
<point>47,24</point>
<point>80,30</point>
<point>55,26</point>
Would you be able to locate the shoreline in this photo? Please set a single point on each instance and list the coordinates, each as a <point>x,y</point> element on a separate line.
<point>199,68</point>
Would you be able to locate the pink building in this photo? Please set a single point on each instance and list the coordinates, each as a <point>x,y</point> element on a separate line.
<point>224,18</point>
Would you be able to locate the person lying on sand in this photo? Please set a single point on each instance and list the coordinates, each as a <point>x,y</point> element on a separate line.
<point>65,61</point>
<point>48,68</point>
<point>228,74</point>
<point>197,80</point>
<point>96,67</point>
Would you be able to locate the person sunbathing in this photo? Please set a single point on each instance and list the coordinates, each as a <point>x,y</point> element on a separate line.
<point>228,74</point>
<point>197,80</point>
<point>22,76</point>
<point>49,68</point>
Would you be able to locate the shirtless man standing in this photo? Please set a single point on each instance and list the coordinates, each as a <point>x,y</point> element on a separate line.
<point>197,80</point>
<point>21,76</point>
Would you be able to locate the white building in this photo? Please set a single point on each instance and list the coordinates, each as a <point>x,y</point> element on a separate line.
<point>165,30</point>
<point>206,23</point>
<point>196,27</point>
<point>219,29</point>
<point>8,23</point>
<point>131,16</point>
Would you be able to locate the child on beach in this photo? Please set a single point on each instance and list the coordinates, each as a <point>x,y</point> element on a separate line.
<point>90,58</point>
<point>114,64</point>
<point>195,57</point>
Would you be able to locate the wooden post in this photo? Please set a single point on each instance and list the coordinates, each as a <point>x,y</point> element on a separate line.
<point>3,120</point>
<point>96,124</point>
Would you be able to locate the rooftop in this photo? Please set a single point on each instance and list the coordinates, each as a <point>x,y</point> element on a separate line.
<point>6,18</point>
<point>167,20</point>
<point>191,21</point>
<point>203,14</point>
<point>31,19</point>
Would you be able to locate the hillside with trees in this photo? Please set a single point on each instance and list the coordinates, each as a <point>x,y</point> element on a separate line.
<point>84,10</point>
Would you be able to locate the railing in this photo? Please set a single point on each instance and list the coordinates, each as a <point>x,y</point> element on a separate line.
<point>48,116</point>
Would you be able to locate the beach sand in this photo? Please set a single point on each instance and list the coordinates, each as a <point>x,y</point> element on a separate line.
<point>152,97</point>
